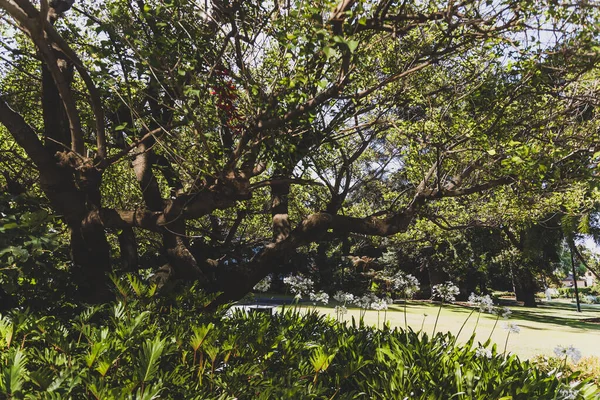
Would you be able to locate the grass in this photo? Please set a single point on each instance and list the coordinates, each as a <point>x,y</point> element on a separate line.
<point>542,328</point>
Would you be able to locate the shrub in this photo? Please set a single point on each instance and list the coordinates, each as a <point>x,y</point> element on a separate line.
<point>497,295</point>
<point>569,292</point>
<point>147,348</point>
<point>586,368</point>
<point>590,299</point>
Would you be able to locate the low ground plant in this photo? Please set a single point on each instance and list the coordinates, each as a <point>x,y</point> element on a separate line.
<point>584,368</point>
<point>145,347</point>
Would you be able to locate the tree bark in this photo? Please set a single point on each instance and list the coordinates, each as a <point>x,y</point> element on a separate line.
<point>279,211</point>
<point>91,263</point>
<point>324,265</point>
<point>128,247</point>
<point>525,287</point>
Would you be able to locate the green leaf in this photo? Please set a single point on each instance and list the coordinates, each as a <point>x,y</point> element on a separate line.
<point>15,374</point>
<point>103,367</point>
<point>200,335</point>
<point>329,52</point>
<point>320,360</point>
<point>43,377</point>
<point>352,45</point>
<point>6,332</point>
<point>150,392</point>
<point>149,358</point>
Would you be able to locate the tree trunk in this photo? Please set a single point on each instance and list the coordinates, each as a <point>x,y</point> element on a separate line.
<point>572,251</point>
<point>279,211</point>
<point>129,251</point>
<point>324,265</point>
<point>525,287</point>
<point>91,263</point>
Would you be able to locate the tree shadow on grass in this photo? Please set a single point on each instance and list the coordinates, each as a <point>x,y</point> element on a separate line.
<point>557,320</point>
<point>540,315</point>
<point>569,307</point>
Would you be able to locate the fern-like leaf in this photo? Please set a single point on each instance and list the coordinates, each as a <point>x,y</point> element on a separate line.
<point>149,358</point>
<point>200,335</point>
<point>6,332</point>
<point>15,372</point>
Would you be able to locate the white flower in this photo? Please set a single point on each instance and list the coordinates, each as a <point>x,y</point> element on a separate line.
<point>485,303</point>
<point>445,291</point>
<point>503,312</point>
<point>299,285</point>
<point>365,301</point>
<point>407,284</point>
<point>569,351</point>
<point>320,297</point>
<point>379,305</point>
<point>343,297</point>
<point>512,328</point>
<point>263,285</point>
<point>568,394</point>
<point>483,352</point>
<point>341,310</point>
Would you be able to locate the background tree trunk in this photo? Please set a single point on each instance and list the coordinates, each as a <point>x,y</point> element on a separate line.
<point>91,263</point>
<point>525,287</point>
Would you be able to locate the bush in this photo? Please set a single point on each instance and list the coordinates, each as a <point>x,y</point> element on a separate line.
<point>586,368</point>
<point>497,295</point>
<point>590,299</point>
<point>147,348</point>
<point>569,292</point>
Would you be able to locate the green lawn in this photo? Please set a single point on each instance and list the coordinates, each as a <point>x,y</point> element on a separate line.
<point>542,328</point>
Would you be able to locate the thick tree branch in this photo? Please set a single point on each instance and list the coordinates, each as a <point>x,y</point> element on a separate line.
<point>25,136</point>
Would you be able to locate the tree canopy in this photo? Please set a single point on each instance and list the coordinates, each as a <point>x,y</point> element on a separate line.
<point>219,138</point>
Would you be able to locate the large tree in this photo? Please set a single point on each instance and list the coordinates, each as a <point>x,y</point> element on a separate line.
<point>235,133</point>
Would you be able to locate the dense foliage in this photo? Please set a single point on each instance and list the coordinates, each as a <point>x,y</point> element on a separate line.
<point>221,141</point>
<point>146,348</point>
<point>34,256</point>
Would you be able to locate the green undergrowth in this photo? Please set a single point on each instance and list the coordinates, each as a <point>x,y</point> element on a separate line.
<point>143,347</point>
